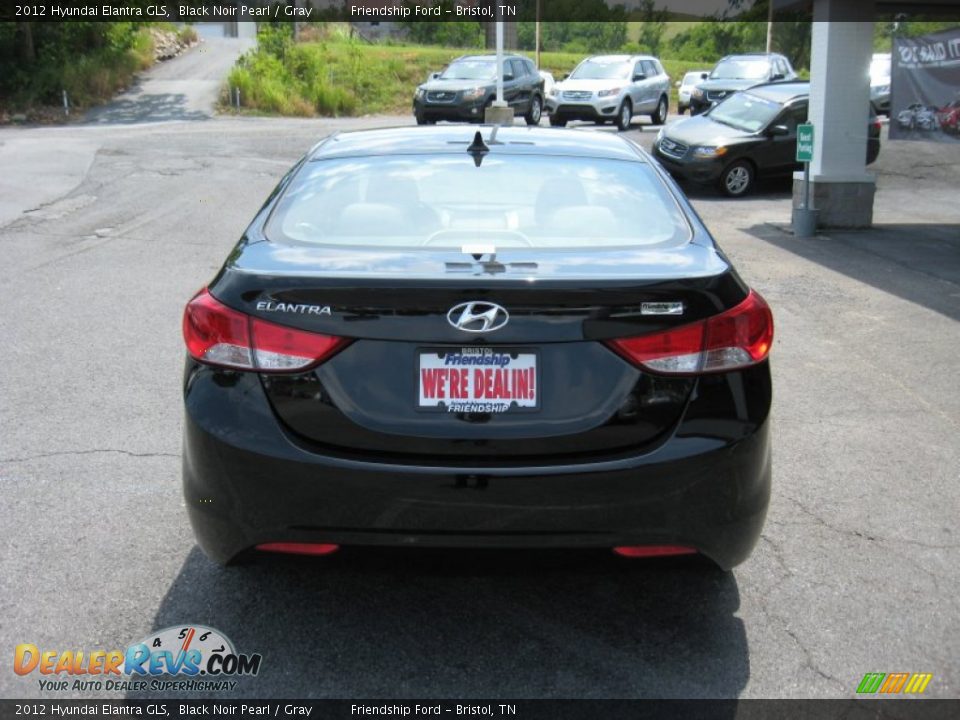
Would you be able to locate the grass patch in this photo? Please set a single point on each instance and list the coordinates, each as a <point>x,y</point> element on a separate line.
<point>338,76</point>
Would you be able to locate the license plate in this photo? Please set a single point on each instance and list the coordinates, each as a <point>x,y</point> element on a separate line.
<point>478,380</point>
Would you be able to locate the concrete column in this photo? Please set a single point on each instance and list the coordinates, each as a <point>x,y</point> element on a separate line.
<point>842,190</point>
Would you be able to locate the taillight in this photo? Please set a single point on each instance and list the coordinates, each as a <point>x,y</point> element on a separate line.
<point>647,551</point>
<point>737,338</point>
<point>218,335</point>
<point>299,548</point>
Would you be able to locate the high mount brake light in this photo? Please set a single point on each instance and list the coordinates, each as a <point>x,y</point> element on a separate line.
<point>218,335</point>
<point>737,338</point>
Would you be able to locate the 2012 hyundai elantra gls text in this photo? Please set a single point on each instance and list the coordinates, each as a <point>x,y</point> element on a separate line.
<point>506,338</point>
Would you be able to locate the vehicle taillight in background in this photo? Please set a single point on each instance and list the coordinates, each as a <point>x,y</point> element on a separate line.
<point>218,335</point>
<point>737,338</point>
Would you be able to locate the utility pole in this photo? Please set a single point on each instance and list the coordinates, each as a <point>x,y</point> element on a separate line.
<point>770,25</point>
<point>537,34</point>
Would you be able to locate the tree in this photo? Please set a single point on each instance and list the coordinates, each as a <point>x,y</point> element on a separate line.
<point>26,51</point>
<point>652,25</point>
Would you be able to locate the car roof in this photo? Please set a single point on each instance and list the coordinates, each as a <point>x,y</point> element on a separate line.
<point>781,92</point>
<point>484,57</point>
<point>763,55</point>
<point>619,57</point>
<point>452,139</point>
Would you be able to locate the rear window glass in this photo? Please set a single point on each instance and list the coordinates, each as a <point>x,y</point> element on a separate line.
<point>446,202</point>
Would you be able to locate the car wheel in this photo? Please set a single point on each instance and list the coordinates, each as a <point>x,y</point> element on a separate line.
<point>557,121</point>
<point>660,116</point>
<point>624,116</point>
<point>421,120</point>
<point>681,109</point>
<point>736,180</point>
<point>535,112</point>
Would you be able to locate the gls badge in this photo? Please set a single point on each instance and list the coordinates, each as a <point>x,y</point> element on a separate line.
<point>270,306</point>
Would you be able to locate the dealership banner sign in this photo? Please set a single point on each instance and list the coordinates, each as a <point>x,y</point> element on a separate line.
<point>925,87</point>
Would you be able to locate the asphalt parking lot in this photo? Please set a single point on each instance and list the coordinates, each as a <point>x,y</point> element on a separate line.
<point>107,229</point>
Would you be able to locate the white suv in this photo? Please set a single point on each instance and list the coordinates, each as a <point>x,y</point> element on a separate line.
<point>611,88</point>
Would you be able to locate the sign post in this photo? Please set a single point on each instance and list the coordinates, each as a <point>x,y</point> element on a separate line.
<point>805,217</point>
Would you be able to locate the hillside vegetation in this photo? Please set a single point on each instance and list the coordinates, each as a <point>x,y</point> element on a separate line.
<point>88,60</point>
<point>341,76</point>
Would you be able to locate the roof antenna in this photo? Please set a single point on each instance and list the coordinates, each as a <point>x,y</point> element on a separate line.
<point>478,149</point>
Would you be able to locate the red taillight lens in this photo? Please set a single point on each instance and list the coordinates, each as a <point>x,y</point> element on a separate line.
<point>737,338</point>
<point>636,551</point>
<point>299,548</point>
<point>218,335</point>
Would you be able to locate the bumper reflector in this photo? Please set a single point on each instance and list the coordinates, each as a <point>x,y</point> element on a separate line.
<point>636,551</point>
<point>299,548</point>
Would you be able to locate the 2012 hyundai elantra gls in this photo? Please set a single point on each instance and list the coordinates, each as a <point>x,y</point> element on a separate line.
<point>511,338</point>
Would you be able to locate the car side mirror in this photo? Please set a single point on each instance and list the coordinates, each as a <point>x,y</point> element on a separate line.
<point>507,76</point>
<point>678,83</point>
<point>777,76</point>
<point>778,131</point>
<point>434,75</point>
<point>704,76</point>
<point>639,76</point>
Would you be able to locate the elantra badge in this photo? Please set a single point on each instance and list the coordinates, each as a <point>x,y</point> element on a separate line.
<point>477,317</point>
<point>661,308</point>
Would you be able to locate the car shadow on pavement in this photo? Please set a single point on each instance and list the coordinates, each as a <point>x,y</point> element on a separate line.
<point>423,623</point>
<point>774,188</point>
<point>917,262</point>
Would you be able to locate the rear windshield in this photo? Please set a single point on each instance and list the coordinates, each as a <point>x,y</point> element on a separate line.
<point>446,202</point>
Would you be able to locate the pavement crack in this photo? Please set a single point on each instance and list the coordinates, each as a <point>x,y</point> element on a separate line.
<point>860,535</point>
<point>63,453</point>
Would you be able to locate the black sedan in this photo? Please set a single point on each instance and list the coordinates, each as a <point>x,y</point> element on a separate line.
<point>500,338</point>
<point>752,133</point>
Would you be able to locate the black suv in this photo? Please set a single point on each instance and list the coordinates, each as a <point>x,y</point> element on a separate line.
<point>751,133</point>
<point>469,85</point>
<point>739,72</point>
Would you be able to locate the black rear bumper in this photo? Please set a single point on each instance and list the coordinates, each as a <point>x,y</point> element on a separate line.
<point>248,481</point>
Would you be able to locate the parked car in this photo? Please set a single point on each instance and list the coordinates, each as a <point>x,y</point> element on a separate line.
<point>752,133</point>
<point>686,86</point>
<point>948,117</point>
<point>469,84</point>
<point>918,116</point>
<point>739,72</point>
<point>612,88</point>
<point>548,82</point>
<point>880,82</point>
<point>428,338</point>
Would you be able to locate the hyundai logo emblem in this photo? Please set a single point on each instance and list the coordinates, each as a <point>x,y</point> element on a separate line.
<point>477,317</point>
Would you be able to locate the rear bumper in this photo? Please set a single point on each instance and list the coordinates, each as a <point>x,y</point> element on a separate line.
<point>248,481</point>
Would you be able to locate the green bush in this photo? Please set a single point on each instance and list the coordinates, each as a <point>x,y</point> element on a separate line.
<point>91,61</point>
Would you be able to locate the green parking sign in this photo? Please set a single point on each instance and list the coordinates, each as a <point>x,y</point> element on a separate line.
<point>805,142</point>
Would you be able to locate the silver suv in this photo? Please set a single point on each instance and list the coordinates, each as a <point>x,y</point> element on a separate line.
<point>613,88</point>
